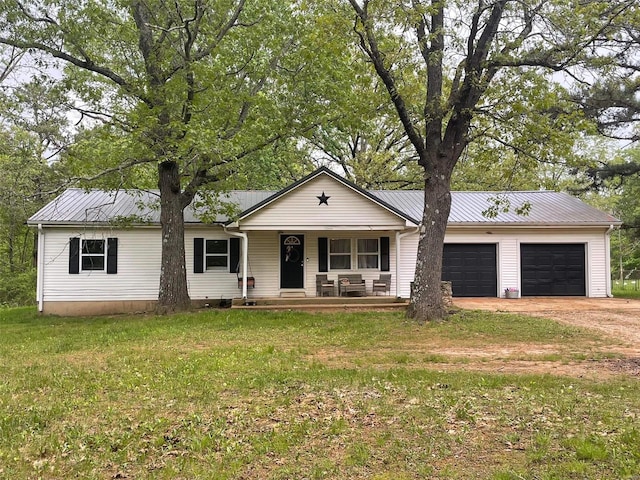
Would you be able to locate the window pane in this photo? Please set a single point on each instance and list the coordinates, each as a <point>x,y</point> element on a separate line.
<point>342,245</point>
<point>216,261</point>
<point>216,246</point>
<point>340,262</point>
<point>93,262</point>
<point>367,261</point>
<point>93,246</point>
<point>367,245</point>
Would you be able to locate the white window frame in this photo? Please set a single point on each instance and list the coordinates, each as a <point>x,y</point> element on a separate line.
<point>341,254</point>
<point>206,255</point>
<point>93,255</point>
<point>368,254</point>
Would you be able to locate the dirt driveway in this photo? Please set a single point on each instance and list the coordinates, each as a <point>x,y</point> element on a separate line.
<point>616,318</point>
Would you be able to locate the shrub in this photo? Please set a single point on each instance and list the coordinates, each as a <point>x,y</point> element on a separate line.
<point>18,289</point>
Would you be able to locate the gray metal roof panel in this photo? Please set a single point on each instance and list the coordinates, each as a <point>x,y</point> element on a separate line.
<point>546,207</point>
<point>78,206</point>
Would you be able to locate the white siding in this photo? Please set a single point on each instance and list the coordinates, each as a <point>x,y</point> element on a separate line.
<point>138,277</point>
<point>211,284</point>
<point>139,252</point>
<point>368,274</point>
<point>299,209</point>
<point>408,254</point>
<point>138,266</point>
<point>264,262</point>
<point>508,252</point>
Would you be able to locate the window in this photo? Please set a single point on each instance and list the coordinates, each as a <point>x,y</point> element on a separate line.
<point>93,255</point>
<point>340,254</point>
<point>368,253</point>
<point>217,255</point>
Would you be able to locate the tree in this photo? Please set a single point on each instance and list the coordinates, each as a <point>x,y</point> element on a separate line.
<point>190,88</point>
<point>459,50</point>
<point>365,142</point>
<point>611,99</point>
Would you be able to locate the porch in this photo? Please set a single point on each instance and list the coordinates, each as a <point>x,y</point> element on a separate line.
<point>321,303</point>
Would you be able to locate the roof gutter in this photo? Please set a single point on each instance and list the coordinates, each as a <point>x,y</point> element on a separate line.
<point>531,224</point>
<point>607,237</point>
<point>40,270</point>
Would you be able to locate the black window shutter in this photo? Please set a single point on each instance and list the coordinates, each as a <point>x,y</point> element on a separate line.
<point>234,255</point>
<point>198,255</point>
<point>323,254</point>
<point>112,255</point>
<point>74,255</point>
<point>384,254</point>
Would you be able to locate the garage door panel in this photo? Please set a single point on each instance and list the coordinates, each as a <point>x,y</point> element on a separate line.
<point>471,269</point>
<point>553,269</point>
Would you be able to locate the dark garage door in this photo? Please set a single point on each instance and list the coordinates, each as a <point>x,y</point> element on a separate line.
<point>552,269</point>
<point>471,269</point>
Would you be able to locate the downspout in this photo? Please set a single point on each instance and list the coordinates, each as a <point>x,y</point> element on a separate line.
<point>400,236</point>
<point>40,270</point>
<point>245,257</point>
<point>607,236</point>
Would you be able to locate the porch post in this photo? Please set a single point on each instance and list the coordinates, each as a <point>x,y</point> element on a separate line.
<point>397,264</point>
<point>245,256</point>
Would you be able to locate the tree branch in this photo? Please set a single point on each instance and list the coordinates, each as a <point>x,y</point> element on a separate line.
<point>369,45</point>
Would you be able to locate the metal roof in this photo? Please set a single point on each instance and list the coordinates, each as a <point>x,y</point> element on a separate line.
<point>78,206</point>
<point>469,208</point>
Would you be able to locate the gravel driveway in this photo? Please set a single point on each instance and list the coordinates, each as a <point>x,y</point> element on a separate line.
<point>617,318</point>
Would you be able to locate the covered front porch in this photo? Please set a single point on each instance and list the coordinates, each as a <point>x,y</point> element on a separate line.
<point>342,267</point>
<point>322,225</point>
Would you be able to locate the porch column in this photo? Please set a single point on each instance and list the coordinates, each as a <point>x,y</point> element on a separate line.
<point>245,256</point>
<point>397,264</point>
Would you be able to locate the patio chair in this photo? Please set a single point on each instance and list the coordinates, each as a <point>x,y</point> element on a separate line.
<point>324,286</point>
<point>383,284</point>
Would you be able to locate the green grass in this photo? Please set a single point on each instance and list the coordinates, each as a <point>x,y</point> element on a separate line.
<point>625,293</point>
<point>245,394</point>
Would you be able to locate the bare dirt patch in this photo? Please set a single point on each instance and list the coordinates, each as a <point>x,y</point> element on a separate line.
<point>615,318</point>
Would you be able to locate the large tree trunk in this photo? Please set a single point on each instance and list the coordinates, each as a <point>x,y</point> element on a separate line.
<point>173,295</point>
<point>426,297</point>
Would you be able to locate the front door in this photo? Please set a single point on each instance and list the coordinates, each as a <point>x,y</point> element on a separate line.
<point>291,261</point>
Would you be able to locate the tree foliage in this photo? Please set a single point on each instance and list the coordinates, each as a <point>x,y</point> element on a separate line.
<point>466,55</point>
<point>186,92</point>
<point>611,95</point>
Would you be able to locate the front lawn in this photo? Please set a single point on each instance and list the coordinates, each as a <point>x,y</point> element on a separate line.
<point>260,395</point>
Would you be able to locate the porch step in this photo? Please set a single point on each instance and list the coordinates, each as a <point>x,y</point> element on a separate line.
<point>292,295</point>
<point>324,306</point>
<point>321,303</point>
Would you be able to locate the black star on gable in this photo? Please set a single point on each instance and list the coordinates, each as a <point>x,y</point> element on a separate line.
<point>323,199</point>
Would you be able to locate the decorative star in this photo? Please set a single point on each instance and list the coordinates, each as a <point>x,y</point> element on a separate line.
<point>323,199</point>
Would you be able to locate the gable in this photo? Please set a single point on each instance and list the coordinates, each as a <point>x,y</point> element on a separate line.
<point>300,208</point>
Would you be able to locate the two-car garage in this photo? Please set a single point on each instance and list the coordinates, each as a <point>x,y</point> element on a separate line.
<point>546,269</point>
